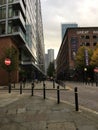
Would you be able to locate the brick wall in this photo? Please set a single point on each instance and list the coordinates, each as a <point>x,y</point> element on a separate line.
<point>6,42</point>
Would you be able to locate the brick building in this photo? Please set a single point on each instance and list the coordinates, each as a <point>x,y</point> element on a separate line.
<point>73,39</point>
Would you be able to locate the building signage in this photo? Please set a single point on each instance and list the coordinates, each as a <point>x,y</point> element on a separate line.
<point>95,32</point>
<point>86,32</point>
<point>82,32</point>
<point>74,42</point>
<point>86,57</point>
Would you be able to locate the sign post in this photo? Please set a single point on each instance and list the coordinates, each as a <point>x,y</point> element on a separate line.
<point>8,63</point>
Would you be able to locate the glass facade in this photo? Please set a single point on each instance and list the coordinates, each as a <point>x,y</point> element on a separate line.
<point>67,25</point>
<point>23,18</point>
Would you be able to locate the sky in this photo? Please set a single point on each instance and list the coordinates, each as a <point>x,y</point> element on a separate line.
<point>56,12</point>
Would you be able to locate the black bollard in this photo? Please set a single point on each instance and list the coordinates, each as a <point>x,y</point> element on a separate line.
<point>58,94</point>
<point>76,99</point>
<point>53,83</point>
<point>20,87</point>
<point>32,89</point>
<point>44,91</point>
<point>14,84</point>
<point>9,88</point>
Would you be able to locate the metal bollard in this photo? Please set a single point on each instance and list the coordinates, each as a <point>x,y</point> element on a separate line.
<point>20,87</point>
<point>53,83</point>
<point>32,89</point>
<point>58,94</point>
<point>9,88</point>
<point>44,91</point>
<point>76,99</point>
<point>14,84</point>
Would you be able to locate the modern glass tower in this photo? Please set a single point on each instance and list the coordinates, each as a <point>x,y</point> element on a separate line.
<point>64,27</point>
<point>21,26</point>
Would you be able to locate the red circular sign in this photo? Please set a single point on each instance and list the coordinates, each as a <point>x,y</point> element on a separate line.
<point>96,70</point>
<point>7,61</point>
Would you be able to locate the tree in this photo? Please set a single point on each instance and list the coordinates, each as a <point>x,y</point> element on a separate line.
<point>51,69</point>
<point>80,56</point>
<point>12,54</point>
<point>94,58</point>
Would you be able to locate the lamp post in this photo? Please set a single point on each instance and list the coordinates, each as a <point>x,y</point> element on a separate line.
<point>85,75</point>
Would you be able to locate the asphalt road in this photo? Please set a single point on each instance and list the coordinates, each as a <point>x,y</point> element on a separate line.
<point>87,95</point>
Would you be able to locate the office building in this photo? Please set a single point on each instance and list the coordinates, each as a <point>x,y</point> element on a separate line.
<point>21,27</point>
<point>49,57</point>
<point>73,39</point>
<point>64,27</point>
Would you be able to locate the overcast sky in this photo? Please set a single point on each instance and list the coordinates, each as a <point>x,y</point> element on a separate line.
<point>55,12</point>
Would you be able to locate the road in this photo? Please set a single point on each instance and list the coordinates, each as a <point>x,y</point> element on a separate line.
<point>87,95</point>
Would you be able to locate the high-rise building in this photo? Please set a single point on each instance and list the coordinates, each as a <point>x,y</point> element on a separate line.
<point>64,26</point>
<point>21,26</point>
<point>49,57</point>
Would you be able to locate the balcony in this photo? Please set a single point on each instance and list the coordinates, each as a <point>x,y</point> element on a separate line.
<point>19,4</point>
<point>18,19</point>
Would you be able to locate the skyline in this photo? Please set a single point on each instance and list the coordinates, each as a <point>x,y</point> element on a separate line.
<point>56,12</point>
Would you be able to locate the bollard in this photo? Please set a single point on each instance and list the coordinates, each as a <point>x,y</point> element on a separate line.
<point>14,84</point>
<point>53,83</point>
<point>44,92</point>
<point>76,99</point>
<point>32,89</point>
<point>20,87</point>
<point>58,94</point>
<point>9,88</point>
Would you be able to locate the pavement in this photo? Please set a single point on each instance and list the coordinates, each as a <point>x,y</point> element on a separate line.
<point>26,112</point>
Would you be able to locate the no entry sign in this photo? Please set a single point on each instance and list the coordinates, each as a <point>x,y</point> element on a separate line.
<point>96,70</point>
<point>7,61</point>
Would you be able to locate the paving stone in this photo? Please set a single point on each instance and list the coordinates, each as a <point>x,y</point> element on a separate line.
<point>88,127</point>
<point>21,110</point>
<point>61,126</point>
<point>11,111</point>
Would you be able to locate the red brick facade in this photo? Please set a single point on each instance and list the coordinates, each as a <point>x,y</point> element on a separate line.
<point>7,42</point>
<point>73,39</point>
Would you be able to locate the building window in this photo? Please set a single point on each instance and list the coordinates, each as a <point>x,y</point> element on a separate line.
<point>82,37</point>
<point>82,44</point>
<point>2,13</point>
<point>9,27</point>
<point>16,12</point>
<point>94,44</point>
<point>94,36</point>
<point>2,28</point>
<point>9,1</point>
<point>87,44</point>
<point>86,37</point>
<point>2,2</point>
<point>10,12</point>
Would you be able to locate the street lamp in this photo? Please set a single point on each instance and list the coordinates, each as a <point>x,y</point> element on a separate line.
<point>85,75</point>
